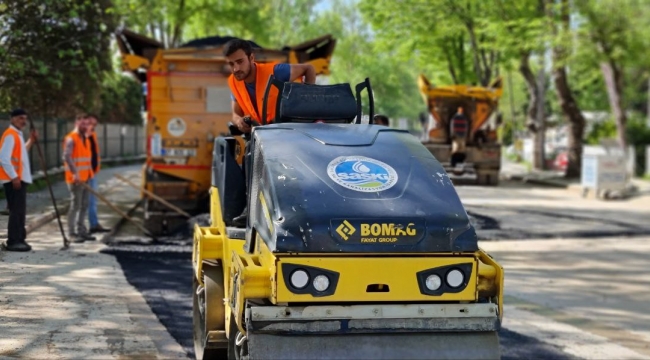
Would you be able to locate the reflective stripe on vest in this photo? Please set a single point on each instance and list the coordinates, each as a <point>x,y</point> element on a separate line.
<point>80,157</point>
<point>238,88</point>
<point>16,154</point>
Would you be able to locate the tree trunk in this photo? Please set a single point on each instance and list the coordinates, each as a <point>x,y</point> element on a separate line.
<point>540,134</point>
<point>614,82</point>
<point>576,122</point>
<point>178,24</point>
<point>568,103</point>
<point>531,85</point>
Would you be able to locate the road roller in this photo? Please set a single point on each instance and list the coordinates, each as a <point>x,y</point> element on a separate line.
<point>356,244</point>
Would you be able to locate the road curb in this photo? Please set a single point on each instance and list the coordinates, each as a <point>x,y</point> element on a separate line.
<point>532,180</point>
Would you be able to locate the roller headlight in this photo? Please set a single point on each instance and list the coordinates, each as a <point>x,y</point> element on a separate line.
<point>321,283</point>
<point>433,282</point>
<point>455,278</point>
<point>299,279</point>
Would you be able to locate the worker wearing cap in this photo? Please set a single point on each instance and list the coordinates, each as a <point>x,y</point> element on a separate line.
<point>95,161</point>
<point>15,174</point>
<point>78,171</point>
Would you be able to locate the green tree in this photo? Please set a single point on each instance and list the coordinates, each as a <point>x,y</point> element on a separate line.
<point>447,38</point>
<point>559,21</point>
<point>615,33</point>
<point>121,100</point>
<point>53,53</point>
<point>173,22</point>
<point>357,56</point>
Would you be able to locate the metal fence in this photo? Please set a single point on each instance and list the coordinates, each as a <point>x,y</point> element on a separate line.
<point>115,141</point>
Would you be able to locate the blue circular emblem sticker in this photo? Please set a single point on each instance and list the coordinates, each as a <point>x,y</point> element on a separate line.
<point>361,173</point>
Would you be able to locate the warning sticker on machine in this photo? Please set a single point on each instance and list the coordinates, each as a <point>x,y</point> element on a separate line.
<point>369,231</point>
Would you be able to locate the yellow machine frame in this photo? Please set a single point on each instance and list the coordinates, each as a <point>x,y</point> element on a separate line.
<point>256,275</point>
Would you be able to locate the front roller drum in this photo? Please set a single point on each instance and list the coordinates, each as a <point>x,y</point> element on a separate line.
<point>209,313</point>
<point>458,345</point>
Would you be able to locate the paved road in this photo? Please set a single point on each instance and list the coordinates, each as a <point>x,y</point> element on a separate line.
<point>164,279</point>
<point>519,212</point>
<point>535,325</point>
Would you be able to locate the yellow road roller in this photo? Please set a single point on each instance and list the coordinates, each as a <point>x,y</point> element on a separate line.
<point>356,245</point>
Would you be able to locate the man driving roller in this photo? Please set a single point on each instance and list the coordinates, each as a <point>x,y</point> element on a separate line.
<point>248,83</point>
<point>249,78</point>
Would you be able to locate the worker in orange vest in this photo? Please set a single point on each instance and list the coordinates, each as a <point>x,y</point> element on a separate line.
<point>249,79</point>
<point>95,161</point>
<point>248,83</point>
<point>78,170</point>
<point>15,174</point>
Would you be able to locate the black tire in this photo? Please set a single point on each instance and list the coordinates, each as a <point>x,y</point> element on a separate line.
<point>235,352</point>
<point>208,312</point>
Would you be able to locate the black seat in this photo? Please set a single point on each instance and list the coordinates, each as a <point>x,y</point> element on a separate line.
<point>299,102</point>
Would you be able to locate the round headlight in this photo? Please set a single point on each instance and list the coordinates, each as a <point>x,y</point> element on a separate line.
<point>299,279</point>
<point>455,278</point>
<point>321,283</point>
<point>433,282</point>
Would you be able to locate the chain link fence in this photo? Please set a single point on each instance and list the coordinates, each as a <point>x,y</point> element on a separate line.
<point>116,141</point>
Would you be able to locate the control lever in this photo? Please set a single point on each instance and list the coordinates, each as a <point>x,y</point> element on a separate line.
<point>252,123</point>
<point>234,130</point>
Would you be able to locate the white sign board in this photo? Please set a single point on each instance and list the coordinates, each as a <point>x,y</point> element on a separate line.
<point>604,172</point>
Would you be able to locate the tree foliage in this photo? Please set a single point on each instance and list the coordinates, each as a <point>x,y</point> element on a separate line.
<point>121,100</point>
<point>53,54</point>
<point>173,22</point>
<point>446,38</point>
<point>357,56</point>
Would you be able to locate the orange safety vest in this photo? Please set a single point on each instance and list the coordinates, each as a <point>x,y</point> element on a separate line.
<point>16,154</point>
<point>80,156</point>
<point>99,160</point>
<point>238,88</point>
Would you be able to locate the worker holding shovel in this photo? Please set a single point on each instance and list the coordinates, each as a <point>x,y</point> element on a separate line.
<point>78,172</point>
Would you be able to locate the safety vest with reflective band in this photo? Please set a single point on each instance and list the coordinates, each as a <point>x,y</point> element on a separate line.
<point>238,88</point>
<point>459,125</point>
<point>99,160</point>
<point>80,156</point>
<point>16,154</point>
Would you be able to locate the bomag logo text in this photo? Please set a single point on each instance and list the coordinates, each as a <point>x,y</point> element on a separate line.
<point>388,230</point>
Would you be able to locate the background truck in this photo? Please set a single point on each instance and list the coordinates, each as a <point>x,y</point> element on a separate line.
<point>482,156</point>
<point>188,106</point>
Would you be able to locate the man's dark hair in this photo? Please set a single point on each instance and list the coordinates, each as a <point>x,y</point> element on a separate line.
<point>237,44</point>
<point>18,112</point>
<point>380,118</point>
<point>92,115</point>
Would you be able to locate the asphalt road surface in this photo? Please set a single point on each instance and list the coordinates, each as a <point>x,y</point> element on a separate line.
<point>519,212</point>
<point>164,279</point>
<point>162,272</point>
